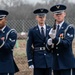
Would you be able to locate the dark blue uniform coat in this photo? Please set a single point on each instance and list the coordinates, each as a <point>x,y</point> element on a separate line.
<point>7,63</point>
<point>39,58</point>
<point>62,50</point>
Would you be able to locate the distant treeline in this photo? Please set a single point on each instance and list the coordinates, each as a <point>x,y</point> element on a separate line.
<point>20,10</point>
<point>21,15</point>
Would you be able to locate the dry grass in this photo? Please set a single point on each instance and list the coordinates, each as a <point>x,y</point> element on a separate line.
<point>21,59</point>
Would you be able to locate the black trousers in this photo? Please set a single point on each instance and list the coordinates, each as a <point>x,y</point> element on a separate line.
<point>63,72</point>
<point>42,71</point>
<point>6,73</point>
<point>73,71</point>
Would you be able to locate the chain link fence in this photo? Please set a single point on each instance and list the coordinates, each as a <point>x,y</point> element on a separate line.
<point>25,24</point>
<point>22,27</point>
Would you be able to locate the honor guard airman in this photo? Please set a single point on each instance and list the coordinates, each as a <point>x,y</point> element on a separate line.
<point>7,41</point>
<point>38,57</point>
<point>60,42</point>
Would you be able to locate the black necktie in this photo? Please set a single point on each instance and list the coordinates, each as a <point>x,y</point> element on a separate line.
<point>57,28</point>
<point>42,31</point>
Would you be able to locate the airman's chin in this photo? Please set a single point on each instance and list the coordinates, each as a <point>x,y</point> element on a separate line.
<point>59,21</point>
<point>41,23</point>
<point>1,27</point>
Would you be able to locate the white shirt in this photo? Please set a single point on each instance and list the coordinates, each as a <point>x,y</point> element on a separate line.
<point>44,26</point>
<point>3,28</point>
<point>60,24</point>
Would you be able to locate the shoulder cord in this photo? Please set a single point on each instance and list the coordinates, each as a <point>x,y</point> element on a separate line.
<point>67,28</point>
<point>9,33</point>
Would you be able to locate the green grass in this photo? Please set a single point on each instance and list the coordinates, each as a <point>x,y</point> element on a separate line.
<point>20,48</point>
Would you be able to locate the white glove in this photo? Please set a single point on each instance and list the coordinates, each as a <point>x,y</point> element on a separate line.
<point>52,33</point>
<point>49,42</point>
<point>31,66</point>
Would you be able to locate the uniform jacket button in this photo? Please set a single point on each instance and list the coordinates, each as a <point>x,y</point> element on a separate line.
<point>45,54</point>
<point>56,47</point>
<point>44,43</point>
<point>57,54</point>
